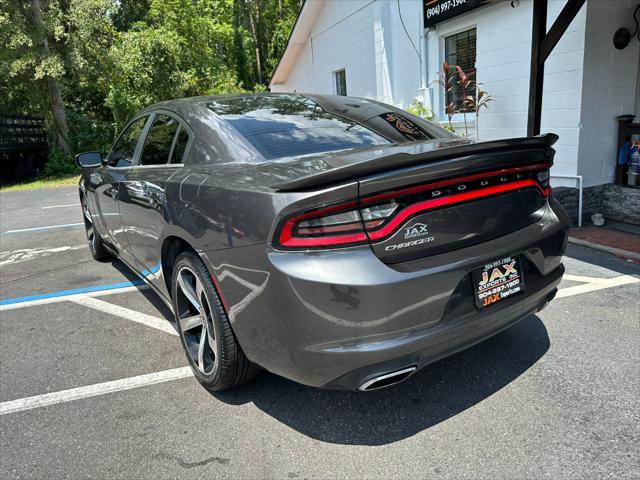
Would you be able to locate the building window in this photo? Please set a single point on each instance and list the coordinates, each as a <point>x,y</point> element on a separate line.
<point>341,82</point>
<point>460,50</point>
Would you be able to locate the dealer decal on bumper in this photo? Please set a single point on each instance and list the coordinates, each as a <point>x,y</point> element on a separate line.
<point>497,281</point>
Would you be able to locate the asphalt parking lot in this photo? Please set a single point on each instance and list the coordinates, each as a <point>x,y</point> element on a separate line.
<point>94,384</point>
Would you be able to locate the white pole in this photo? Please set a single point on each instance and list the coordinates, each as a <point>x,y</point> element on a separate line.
<point>578,178</point>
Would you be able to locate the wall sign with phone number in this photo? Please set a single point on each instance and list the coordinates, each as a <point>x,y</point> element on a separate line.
<point>436,11</point>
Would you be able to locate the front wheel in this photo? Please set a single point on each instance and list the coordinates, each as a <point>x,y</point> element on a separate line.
<point>211,348</point>
<point>96,244</point>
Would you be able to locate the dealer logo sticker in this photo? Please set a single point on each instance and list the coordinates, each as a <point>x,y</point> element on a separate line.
<point>415,231</point>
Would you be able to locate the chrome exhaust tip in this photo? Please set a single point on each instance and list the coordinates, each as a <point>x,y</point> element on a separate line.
<point>387,379</point>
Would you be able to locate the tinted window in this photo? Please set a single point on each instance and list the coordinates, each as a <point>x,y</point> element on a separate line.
<point>290,125</point>
<point>157,145</point>
<point>180,146</point>
<point>405,127</point>
<point>274,126</point>
<point>122,153</point>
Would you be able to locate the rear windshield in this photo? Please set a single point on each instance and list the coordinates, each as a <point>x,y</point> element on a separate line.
<point>293,125</point>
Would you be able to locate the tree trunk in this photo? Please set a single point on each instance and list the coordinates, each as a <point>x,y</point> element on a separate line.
<point>58,112</point>
<point>59,116</point>
<point>254,34</point>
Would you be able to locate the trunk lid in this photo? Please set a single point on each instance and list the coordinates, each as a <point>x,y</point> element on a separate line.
<point>426,198</point>
<point>452,204</point>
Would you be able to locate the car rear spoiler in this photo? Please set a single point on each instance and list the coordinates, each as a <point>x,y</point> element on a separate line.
<point>412,154</point>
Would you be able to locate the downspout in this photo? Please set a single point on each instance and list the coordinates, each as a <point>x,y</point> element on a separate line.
<point>423,89</point>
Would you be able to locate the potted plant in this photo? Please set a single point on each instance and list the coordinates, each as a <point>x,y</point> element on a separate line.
<point>447,81</point>
<point>466,84</point>
<point>481,99</point>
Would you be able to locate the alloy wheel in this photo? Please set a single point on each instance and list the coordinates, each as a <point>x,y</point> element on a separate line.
<point>195,321</point>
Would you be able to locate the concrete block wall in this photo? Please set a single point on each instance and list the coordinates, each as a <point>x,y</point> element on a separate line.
<point>615,202</point>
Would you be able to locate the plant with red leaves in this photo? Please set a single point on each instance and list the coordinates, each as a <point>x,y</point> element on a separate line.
<point>466,84</point>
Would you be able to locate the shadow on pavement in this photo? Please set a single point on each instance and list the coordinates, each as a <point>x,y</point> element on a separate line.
<point>602,259</point>
<point>434,394</point>
<point>148,293</point>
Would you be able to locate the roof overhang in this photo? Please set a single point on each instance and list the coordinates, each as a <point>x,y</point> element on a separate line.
<point>299,36</point>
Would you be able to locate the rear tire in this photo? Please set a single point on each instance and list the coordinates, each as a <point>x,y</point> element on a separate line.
<point>96,244</point>
<point>213,353</point>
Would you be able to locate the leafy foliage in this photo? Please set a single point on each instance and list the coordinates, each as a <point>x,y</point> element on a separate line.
<point>110,58</point>
<point>420,110</point>
<point>59,164</point>
<point>453,76</point>
<point>447,81</point>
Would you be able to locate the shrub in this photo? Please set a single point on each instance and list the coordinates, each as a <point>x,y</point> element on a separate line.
<point>59,164</point>
<point>418,109</point>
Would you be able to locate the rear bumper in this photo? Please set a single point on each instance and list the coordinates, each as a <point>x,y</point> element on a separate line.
<point>338,318</point>
<point>432,346</point>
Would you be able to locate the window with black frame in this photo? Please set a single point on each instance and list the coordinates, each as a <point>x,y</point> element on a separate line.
<point>159,142</point>
<point>122,152</point>
<point>341,82</point>
<point>460,50</point>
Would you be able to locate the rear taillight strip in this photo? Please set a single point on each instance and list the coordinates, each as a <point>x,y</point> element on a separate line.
<point>332,236</point>
<point>426,205</point>
<point>453,181</point>
<point>287,239</point>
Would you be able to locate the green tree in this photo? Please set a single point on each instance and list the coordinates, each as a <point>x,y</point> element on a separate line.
<point>88,65</point>
<point>50,53</point>
<point>265,26</point>
<point>183,48</point>
<point>30,36</point>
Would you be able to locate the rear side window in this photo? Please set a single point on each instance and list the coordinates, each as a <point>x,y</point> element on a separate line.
<point>122,153</point>
<point>180,146</point>
<point>159,141</point>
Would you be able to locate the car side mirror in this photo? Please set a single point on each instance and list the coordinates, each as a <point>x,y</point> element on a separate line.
<point>89,159</point>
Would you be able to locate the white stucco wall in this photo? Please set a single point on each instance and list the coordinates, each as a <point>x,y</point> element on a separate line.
<point>503,65</point>
<point>587,82</point>
<point>609,87</point>
<point>366,39</point>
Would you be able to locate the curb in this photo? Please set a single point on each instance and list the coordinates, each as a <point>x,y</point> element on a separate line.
<point>604,248</point>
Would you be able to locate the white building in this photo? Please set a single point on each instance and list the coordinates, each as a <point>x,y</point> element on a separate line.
<point>379,49</point>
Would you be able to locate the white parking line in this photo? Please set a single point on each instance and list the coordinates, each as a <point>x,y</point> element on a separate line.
<point>126,313</point>
<point>61,206</point>
<point>49,227</point>
<point>590,284</point>
<point>29,403</point>
<point>64,298</point>
<point>581,278</point>
<point>594,283</point>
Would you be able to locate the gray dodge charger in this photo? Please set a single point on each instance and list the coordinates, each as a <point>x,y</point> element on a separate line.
<point>336,241</point>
